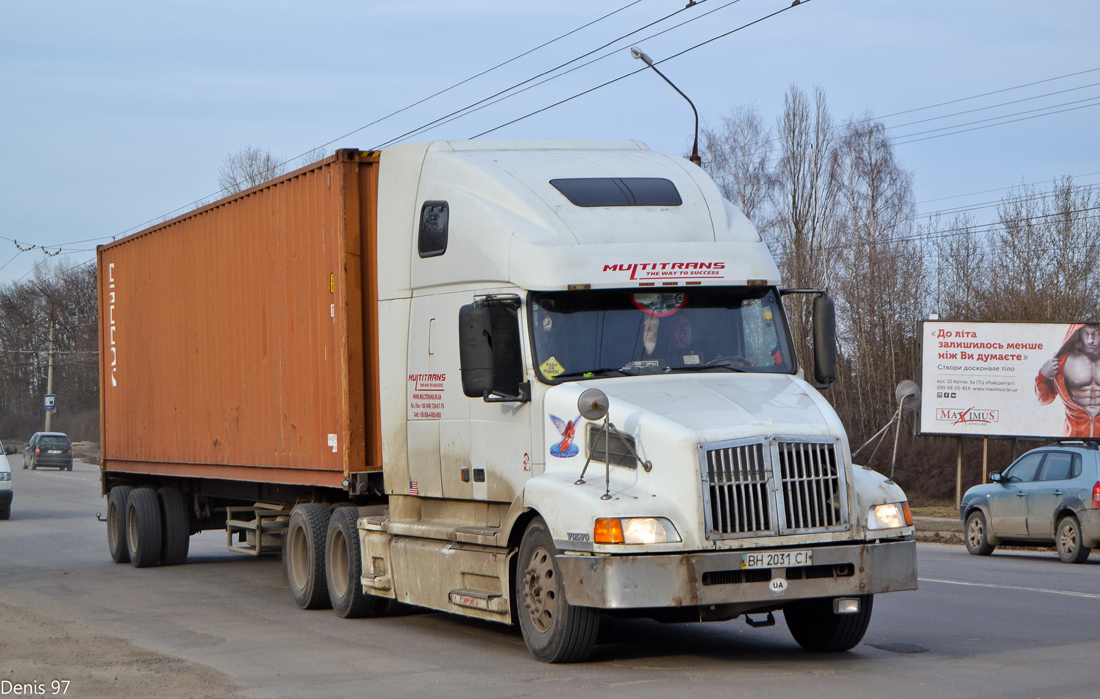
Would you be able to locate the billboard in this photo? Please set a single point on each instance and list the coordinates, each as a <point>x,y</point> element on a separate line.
<point>1010,379</point>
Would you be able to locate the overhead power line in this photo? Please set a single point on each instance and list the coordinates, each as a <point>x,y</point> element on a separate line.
<point>1002,189</point>
<point>191,205</point>
<point>514,90</point>
<point>639,70</point>
<point>475,76</point>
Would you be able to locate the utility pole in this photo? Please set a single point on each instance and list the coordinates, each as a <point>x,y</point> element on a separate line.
<point>49,378</point>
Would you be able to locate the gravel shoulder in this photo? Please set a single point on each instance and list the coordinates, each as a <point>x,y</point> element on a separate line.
<point>38,650</point>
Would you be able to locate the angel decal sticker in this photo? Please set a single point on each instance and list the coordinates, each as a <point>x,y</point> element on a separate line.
<point>568,430</point>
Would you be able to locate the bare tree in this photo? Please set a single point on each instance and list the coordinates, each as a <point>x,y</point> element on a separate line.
<point>1045,256</point>
<point>961,266</point>
<point>736,153</point>
<point>247,168</point>
<point>65,296</point>
<point>802,200</point>
<point>880,277</point>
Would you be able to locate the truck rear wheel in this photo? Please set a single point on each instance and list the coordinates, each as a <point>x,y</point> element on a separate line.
<point>816,627</point>
<point>554,630</point>
<point>116,523</point>
<point>344,569</point>
<point>305,560</point>
<point>175,527</point>
<point>143,527</point>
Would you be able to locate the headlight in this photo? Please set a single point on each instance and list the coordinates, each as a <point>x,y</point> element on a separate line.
<point>891,516</point>
<point>634,530</point>
<point>5,476</point>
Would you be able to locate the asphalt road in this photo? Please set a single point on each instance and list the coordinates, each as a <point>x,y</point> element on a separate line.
<point>1017,624</point>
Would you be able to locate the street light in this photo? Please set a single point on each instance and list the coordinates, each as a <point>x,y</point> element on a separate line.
<point>638,53</point>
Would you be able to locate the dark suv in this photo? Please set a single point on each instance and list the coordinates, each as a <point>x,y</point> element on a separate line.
<point>48,449</point>
<point>1049,495</point>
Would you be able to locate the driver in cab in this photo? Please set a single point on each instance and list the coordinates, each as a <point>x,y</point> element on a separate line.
<point>680,346</point>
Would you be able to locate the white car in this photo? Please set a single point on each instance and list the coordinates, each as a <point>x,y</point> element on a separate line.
<point>5,485</point>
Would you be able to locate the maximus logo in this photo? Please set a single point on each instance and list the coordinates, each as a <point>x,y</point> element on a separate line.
<point>670,270</point>
<point>966,416</point>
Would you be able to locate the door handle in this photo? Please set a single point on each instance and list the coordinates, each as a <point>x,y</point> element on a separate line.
<point>1058,492</point>
<point>1020,495</point>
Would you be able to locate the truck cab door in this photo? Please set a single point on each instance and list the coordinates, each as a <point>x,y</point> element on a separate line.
<point>431,392</point>
<point>499,429</point>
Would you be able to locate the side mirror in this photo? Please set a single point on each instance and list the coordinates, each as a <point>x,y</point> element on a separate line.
<point>475,349</point>
<point>996,477</point>
<point>824,340</point>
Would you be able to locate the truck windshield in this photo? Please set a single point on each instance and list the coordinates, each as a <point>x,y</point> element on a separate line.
<point>583,334</point>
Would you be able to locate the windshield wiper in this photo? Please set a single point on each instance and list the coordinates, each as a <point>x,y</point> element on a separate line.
<point>593,372</point>
<point>723,364</point>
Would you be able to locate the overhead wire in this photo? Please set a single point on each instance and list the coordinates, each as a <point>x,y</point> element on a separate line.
<point>1002,189</point>
<point>472,77</point>
<point>191,205</point>
<point>1004,119</point>
<point>639,70</point>
<point>514,90</point>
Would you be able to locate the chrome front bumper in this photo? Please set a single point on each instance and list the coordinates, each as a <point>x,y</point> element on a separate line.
<point>715,578</point>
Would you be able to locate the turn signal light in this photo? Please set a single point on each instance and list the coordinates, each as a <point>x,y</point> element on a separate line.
<point>608,531</point>
<point>909,513</point>
<point>1096,497</point>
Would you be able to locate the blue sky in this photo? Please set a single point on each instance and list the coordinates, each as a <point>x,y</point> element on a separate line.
<point>113,114</point>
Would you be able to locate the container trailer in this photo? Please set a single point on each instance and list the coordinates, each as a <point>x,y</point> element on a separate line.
<point>533,382</point>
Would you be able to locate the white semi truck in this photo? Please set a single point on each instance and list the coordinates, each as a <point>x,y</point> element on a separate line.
<point>559,383</point>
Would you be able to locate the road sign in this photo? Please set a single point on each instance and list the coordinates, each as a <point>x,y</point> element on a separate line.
<point>51,400</point>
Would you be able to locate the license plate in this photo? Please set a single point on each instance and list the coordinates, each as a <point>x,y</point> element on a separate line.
<point>776,559</point>
<point>54,451</point>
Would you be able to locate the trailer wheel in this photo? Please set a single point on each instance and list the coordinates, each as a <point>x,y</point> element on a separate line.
<point>554,630</point>
<point>305,561</point>
<point>816,628</point>
<point>116,523</point>
<point>143,527</point>
<point>175,526</point>
<point>344,569</point>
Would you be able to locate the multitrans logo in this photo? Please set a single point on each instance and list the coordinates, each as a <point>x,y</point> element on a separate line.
<point>967,416</point>
<point>670,270</point>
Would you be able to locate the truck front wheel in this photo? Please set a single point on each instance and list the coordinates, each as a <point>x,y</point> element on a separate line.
<point>305,559</point>
<point>816,627</point>
<point>554,630</point>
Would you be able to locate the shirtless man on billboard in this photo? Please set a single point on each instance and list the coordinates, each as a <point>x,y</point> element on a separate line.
<point>1073,375</point>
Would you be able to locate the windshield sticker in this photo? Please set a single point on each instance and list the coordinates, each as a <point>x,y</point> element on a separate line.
<point>565,449</point>
<point>691,359</point>
<point>659,305</point>
<point>551,369</point>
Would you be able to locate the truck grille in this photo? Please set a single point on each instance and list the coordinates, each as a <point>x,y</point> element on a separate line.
<point>811,483</point>
<point>739,500</point>
<point>783,486</point>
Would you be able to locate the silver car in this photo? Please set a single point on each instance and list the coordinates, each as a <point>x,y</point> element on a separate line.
<point>1048,495</point>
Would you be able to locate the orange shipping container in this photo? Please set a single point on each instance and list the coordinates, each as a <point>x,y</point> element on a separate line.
<point>239,341</point>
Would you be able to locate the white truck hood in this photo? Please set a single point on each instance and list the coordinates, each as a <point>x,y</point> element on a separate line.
<point>720,406</point>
